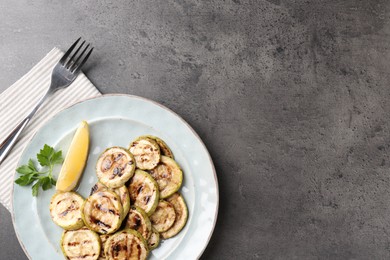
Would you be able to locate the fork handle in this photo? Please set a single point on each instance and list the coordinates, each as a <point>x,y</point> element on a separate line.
<point>9,142</point>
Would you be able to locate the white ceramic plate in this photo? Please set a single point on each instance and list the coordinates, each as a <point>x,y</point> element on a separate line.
<point>115,120</point>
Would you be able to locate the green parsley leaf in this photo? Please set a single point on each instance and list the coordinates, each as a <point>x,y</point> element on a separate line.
<point>46,183</point>
<point>29,174</point>
<point>45,155</point>
<point>24,169</point>
<point>57,158</point>
<point>26,179</point>
<point>32,165</point>
<point>35,188</point>
<point>27,169</point>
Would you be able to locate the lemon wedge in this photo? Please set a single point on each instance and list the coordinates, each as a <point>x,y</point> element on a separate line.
<point>75,159</point>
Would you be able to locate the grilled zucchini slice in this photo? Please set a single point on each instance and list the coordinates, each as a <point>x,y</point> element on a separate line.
<point>102,212</point>
<point>181,215</point>
<point>98,187</point>
<point>146,153</point>
<point>163,217</point>
<point>168,175</point>
<point>139,221</point>
<point>80,244</point>
<point>154,239</point>
<point>126,244</point>
<point>122,192</point>
<point>103,239</point>
<point>144,192</point>
<point>164,148</point>
<point>115,167</point>
<point>65,210</point>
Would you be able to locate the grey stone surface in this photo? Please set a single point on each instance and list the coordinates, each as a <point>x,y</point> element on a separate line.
<point>290,97</point>
<point>9,245</point>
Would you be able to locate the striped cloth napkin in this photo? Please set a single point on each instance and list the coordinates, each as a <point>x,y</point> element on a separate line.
<point>17,101</point>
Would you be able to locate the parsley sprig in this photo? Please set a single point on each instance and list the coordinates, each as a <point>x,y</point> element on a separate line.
<point>47,158</point>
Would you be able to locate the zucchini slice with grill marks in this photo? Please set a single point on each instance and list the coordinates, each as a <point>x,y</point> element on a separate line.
<point>124,195</point>
<point>98,187</point>
<point>181,215</point>
<point>65,210</point>
<point>122,192</point>
<point>154,239</point>
<point>139,221</point>
<point>103,239</point>
<point>115,167</point>
<point>143,191</point>
<point>102,212</point>
<point>146,153</point>
<point>163,217</point>
<point>164,148</point>
<point>126,244</point>
<point>168,175</point>
<point>80,244</point>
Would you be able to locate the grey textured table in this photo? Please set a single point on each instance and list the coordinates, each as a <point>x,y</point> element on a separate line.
<point>290,97</point>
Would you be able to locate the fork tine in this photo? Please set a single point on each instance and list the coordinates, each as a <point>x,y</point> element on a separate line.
<point>68,52</point>
<point>78,68</point>
<point>69,63</point>
<point>78,58</point>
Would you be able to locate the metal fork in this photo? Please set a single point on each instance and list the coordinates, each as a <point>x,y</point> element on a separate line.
<point>64,73</point>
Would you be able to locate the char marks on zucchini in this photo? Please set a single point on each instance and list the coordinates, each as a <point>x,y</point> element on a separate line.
<point>144,191</point>
<point>122,192</point>
<point>168,176</point>
<point>139,221</point>
<point>65,210</point>
<point>164,148</point>
<point>126,244</point>
<point>146,153</point>
<point>103,239</point>
<point>80,244</point>
<point>154,239</point>
<point>181,215</point>
<point>163,217</point>
<point>103,212</point>
<point>115,167</point>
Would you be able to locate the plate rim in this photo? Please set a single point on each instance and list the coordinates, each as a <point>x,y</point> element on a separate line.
<point>128,96</point>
